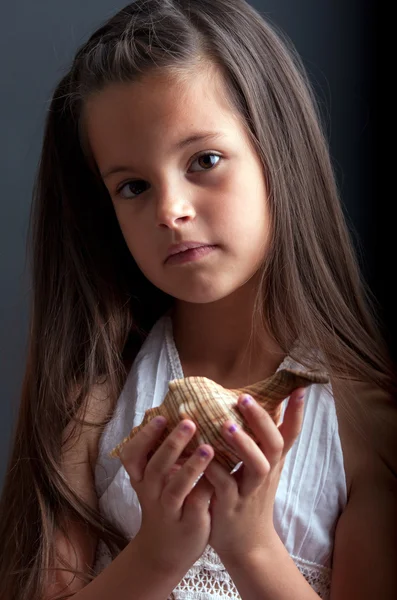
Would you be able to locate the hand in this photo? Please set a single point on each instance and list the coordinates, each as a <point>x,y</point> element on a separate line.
<point>242,506</point>
<point>175,515</point>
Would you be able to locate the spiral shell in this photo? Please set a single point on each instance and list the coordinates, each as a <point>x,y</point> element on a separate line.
<point>209,405</point>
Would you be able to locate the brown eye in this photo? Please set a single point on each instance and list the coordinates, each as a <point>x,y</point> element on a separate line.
<point>207,160</point>
<point>135,187</point>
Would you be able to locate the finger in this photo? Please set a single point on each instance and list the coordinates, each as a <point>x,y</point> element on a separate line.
<point>174,469</point>
<point>224,484</point>
<point>134,454</point>
<point>182,482</point>
<point>198,499</point>
<point>256,465</point>
<point>263,427</point>
<point>169,452</point>
<point>291,426</point>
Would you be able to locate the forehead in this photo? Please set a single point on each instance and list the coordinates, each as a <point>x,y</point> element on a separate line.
<point>157,111</point>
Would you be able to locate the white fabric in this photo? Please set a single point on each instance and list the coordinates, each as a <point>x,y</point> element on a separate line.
<point>310,497</point>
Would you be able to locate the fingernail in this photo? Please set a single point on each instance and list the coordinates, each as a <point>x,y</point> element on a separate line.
<point>246,400</point>
<point>186,426</point>
<point>203,452</point>
<point>232,428</point>
<point>158,421</point>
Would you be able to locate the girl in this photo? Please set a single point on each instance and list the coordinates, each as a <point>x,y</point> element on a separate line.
<point>186,222</point>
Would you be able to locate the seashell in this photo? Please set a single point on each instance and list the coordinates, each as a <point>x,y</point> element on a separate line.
<point>209,404</point>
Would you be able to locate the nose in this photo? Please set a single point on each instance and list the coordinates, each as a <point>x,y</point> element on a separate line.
<point>172,210</point>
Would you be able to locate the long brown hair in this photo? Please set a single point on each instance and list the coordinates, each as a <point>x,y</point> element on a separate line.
<point>91,305</point>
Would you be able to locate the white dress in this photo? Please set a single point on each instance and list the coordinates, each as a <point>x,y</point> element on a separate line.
<point>310,497</point>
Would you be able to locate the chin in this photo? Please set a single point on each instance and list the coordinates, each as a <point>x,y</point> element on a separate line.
<point>200,294</point>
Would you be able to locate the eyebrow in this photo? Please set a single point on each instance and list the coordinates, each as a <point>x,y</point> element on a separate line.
<point>180,145</point>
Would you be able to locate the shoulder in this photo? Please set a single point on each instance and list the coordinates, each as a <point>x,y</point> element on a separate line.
<point>81,435</point>
<point>367,423</point>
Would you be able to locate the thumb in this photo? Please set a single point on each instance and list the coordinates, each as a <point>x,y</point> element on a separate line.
<point>293,417</point>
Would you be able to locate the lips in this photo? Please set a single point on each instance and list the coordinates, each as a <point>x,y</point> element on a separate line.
<point>184,247</point>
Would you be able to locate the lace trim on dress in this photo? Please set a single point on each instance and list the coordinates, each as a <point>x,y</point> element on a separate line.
<point>318,576</point>
<point>208,579</point>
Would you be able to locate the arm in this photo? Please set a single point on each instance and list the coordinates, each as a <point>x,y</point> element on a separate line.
<point>270,574</point>
<point>78,455</point>
<point>365,551</point>
<point>365,554</point>
<point>130,578</point>
<point>242,526</point>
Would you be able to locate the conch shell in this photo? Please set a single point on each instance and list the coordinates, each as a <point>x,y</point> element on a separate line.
<point>209,404</point>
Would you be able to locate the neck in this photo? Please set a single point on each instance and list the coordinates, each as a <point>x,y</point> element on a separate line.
<point>218,340</point>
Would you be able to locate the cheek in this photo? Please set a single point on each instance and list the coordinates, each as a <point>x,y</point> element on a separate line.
<point>245,217</point>
<point>251,229</point>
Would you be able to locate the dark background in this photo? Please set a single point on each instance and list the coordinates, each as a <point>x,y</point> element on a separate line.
<point>336,40</point>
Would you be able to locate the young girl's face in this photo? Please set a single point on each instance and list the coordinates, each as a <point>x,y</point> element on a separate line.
<point>168,191</point>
